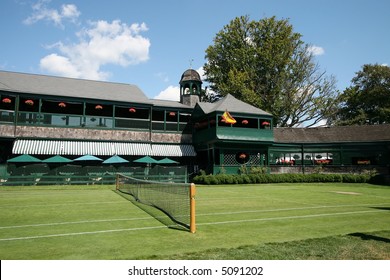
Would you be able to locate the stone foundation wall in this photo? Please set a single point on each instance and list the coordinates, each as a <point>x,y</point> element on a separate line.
<point>11,131</point>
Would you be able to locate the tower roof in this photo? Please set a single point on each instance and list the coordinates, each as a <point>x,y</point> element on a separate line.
<point>190,75</point>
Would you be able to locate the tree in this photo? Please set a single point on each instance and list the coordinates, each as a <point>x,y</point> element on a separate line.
<point>266,64</point>
<point>367,100</point>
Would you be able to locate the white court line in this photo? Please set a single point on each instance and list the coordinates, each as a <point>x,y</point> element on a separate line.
<point>201,224</point>
<point>77,222</point>
<point>292,209</point>
<point>80,233</point>
<point>60,204</point>
<point>290,217</point>
<point>208,214</point>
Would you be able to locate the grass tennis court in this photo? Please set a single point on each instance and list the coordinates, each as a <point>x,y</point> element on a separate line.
<point>87,222</point>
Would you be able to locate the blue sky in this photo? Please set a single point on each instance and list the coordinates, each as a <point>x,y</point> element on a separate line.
<point>151,43</point>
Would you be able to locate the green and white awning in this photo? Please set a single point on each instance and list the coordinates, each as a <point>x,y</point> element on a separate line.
<point>56,147</point>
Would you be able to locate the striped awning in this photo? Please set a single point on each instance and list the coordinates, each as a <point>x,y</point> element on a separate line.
<point>54,147</point>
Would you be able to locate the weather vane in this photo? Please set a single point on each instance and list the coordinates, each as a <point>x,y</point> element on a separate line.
<point>191,60</point>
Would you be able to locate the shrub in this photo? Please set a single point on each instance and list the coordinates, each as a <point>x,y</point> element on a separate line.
<point>258,170</point>
<point>220,179</point>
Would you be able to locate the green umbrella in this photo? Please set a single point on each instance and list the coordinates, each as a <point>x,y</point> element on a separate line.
<point>24,158</point>
<point>57,159</point>
<point>88,158</point>
<point>146,159</point>
<point>115,159</point>
<point>167,161</point>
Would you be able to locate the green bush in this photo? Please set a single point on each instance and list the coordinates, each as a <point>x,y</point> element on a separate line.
<point>258,178</point>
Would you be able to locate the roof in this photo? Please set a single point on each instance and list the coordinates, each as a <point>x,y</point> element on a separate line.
<point>231,104</point>
<point>63,147</point>
<point>168,103</point>
<point>70,87</point>
<point>190,75</point>
<point>356,133</point>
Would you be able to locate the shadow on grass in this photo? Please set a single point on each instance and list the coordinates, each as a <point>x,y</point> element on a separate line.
<point>155,212</point>
<point>382,208</point>
<point>365,236</point>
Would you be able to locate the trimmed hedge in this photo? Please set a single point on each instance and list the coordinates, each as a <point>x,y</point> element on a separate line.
<point>225,179</point>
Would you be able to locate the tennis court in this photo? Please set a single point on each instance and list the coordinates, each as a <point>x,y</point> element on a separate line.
<point>97,223</point>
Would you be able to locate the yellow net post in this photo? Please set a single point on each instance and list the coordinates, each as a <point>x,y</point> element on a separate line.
<point>192,208</point>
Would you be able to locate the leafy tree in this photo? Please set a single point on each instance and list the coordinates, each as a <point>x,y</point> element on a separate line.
<point>209,96</point>
<point>265,63</point>
<point>367,100</point>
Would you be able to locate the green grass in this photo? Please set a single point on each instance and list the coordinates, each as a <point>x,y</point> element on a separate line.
<point>272,221</point>
<point>358,246</point>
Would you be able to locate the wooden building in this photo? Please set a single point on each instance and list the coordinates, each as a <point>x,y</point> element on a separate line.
<point>45,116</point>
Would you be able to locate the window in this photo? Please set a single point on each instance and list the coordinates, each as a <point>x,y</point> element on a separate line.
<point>7,103</point>
<point>131,112</point>
<point>98,109</point>
<point>132,117</point>
<point>62,107</point>
<point>29,105</point>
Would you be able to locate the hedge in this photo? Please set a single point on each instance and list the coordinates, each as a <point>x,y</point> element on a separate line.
<point>224,179</point>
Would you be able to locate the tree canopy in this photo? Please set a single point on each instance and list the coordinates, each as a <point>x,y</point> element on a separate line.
<point>265,63</point>
<point>367,100</point>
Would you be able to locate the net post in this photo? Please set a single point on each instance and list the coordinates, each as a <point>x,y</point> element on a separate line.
<point>192,208</point>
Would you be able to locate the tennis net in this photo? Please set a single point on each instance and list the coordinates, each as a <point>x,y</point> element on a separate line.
<point>176,200</point>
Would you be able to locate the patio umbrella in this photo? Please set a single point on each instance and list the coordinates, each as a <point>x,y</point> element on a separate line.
<point>24,159</point>
<point>167,161</point>
<point>57,159</point>
<point>56,162</point>
<point>146,159</point>
<point>23,164</point>
<point>115,159</point>
<point>88,158</point>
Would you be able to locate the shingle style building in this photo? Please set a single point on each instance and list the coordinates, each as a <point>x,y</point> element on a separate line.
<point>44,116</point>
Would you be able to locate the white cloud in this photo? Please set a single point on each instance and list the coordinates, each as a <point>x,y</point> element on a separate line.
<point>170,93</point>
<point>60,65</point>
<point>201,73</point>
<point>70,11</point>
<point>103,43</point>
<point>42,12</point>
<point>316,50</point>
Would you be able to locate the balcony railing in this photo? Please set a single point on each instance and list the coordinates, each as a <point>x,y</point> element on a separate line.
<point>100,122</point>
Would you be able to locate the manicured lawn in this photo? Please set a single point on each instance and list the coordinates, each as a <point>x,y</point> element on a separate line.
<point>271,221</point>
